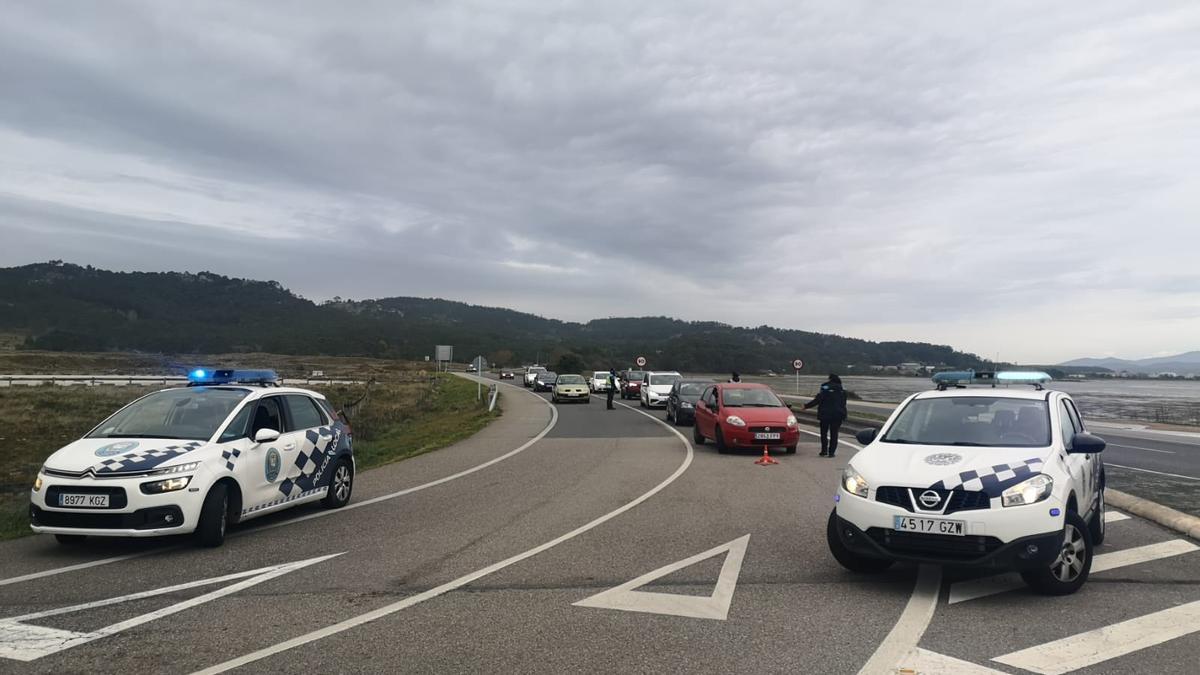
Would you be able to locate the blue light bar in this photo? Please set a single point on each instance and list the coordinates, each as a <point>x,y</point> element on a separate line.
<point>209,377</point>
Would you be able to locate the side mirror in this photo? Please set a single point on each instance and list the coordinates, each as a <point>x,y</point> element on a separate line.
<point>866,436</point>
<point>265,435</point>
<point>1087,444</point>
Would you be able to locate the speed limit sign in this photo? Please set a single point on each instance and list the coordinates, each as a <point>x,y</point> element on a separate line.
<point>641,362</point>
<point>798,364</point>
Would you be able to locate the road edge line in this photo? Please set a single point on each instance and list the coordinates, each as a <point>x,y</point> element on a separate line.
<point>1183,523</point>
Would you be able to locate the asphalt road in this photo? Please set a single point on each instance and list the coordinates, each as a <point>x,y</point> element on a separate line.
<point>530,548</point>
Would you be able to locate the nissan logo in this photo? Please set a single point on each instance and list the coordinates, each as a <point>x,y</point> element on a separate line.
<point>930,499</point>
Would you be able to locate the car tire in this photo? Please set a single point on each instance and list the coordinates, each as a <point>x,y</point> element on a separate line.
<point>847,558</point>
<point>1070,569</point>
<point>791,449</point>
<point>341,485</point>
<point>697,437</point>
<point>719,441</point>
<point>214,517</point>
<point>1097,525</point>
<point>70,539</point>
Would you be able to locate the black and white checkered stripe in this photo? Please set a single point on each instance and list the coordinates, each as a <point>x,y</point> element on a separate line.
<point>142,460</point>
<point>992,480</point>
<point>312,460</point>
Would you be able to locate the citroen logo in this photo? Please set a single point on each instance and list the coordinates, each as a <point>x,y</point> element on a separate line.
<point>929,499</point>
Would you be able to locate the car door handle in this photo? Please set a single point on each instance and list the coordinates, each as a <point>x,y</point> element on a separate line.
<point>290,446</point>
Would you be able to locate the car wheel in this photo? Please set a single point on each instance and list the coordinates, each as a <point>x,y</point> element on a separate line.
<point>719,440</point>
<point>1097,526</point>
<point>847,558</point>
<point>214,517</point>
<point>791,449</point>
<point>70,539</point>
<point>1070,568</point>
<point>697,437</point>
<point>341,486</point>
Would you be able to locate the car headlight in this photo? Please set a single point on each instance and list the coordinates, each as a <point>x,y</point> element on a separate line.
<point>854,483</point>
<point>178,468</point>
<point>735,421</point>
<point>169,485</point>
<point>791,420</point>
<point>37,482</point>
<point>1030,491</point>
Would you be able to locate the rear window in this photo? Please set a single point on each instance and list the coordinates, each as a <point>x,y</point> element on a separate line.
<point>984,421</point>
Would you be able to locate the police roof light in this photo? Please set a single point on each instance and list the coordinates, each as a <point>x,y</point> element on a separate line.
<point>1022,377</point>
<point>202,376</point>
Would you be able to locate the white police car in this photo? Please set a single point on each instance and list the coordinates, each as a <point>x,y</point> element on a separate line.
<point>987,477</point>
<point>231,446</point>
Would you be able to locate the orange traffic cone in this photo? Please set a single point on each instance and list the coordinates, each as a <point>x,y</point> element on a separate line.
<point>766,459</point>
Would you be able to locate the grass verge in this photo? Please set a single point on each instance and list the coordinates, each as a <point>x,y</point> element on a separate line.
<point>397,419</point>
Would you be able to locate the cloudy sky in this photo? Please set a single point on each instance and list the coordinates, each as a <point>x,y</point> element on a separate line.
<point>1018,179</point>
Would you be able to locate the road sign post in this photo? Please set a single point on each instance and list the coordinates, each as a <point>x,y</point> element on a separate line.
<point>798,364</point>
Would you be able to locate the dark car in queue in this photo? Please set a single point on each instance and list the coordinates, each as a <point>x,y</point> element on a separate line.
<point>681,402</point>
<point>739,415</point>
<point>631,384</point>
<point>545,381</point>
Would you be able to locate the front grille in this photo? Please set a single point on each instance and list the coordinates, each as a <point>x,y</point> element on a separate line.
<point>143,519</point>
<point>116,495</point>
<point>775,429</point>
<point>960,500</point>
<point>936,546</point>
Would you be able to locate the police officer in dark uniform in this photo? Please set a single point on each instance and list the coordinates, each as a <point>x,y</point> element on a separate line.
<point>830,403</point>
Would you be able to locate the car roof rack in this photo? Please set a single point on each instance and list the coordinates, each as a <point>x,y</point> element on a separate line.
<point>205,377</point>
<point>960,379</point>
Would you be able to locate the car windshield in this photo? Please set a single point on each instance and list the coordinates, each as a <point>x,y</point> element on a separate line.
<point>599,375</point>
<point>186,414</point>
<point>984,421</point>
<point>750,398</point>
<point>636,375</point>
<point>690,389</point>
<point>536,369</point>
<point>663,379</point>
<point>570,379</point>
<point>548,377</point>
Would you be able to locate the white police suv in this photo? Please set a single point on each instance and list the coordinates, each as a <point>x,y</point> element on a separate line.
<point>995,477</point>
<point>231,446</point>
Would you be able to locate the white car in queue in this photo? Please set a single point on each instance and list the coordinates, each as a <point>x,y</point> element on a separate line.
<point>231,446</point>
<point>998,477</point>
<point>656,388</point>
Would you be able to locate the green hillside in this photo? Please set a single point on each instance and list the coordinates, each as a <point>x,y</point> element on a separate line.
<point>62,307</point>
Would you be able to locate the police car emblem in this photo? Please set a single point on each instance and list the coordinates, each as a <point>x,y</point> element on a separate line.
<point>943,459</point>
<point>273,464</point>
<point>929,499</point>
<point>115,448</point>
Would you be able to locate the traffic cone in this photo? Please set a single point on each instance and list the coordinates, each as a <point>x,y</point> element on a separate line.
<point>766,459</point>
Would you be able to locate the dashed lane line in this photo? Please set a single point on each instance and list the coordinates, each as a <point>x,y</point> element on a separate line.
<point>319,514</point>
<point>387,610</point>
<point>981,588</point>
<point>1110,642</point>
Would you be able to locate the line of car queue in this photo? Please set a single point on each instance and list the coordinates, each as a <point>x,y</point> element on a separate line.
<point>732,415</point>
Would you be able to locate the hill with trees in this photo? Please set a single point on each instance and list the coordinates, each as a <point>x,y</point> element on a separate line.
<point>63,307</point>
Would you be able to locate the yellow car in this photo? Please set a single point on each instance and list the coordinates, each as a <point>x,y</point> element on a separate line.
<point>571,388</point>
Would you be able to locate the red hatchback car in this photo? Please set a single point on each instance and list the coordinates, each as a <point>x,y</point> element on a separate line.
<point>744,415</point>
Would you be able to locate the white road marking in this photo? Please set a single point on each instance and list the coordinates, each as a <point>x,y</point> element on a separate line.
<point>311,516</point>
<point>907,632</point>
<point>715,606</point>
<point>840,441</point>
<point>980,588</point>
<point>387,610</point>
<point>1160,473</point>
<point>1138,447</point>
<point>1109,642</point>
<point>26,642</point>
<point>926,662</point>
<point>1114,516</point>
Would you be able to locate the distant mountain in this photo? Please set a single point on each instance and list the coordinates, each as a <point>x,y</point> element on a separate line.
<point>1182,364</point>
<point>64,307</point>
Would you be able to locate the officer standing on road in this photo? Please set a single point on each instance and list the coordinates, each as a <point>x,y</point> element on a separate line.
<point>612,387</point>
<point>830,403</point>
<point>735,377</point>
